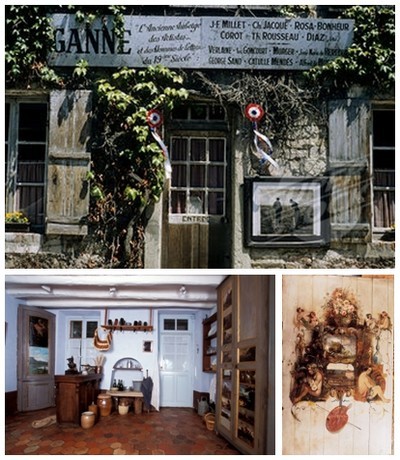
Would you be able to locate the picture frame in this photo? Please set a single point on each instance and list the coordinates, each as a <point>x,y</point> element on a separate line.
<point>147,346</point>
<point>285,212</point>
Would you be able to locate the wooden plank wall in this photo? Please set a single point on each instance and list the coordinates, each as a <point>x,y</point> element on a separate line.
<point>370,424</point>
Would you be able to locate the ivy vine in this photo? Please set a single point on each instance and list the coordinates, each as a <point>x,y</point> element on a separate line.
<point>370,60</point>
<point>127,166</point>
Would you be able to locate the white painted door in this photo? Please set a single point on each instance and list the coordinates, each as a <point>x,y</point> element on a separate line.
<point>176,361</point>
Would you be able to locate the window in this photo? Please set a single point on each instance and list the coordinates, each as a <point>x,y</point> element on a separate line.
<point>25,158</point>
<point>172,324</point>
<point>80,344</point>
<point>383,158</point>
<point>198,158</point>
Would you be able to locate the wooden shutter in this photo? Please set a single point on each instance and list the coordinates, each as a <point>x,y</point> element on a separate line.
<point>349,153</point>
<point>68,162</point>
<point>349,132</point>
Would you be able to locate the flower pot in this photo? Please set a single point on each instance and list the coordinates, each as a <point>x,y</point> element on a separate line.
<point>17,227</point>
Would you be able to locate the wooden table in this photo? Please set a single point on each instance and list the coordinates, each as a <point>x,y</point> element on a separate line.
<point>74,394</point>
<point>123,394</point>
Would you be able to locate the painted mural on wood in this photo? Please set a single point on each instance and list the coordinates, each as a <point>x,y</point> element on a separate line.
<point>338,366</point>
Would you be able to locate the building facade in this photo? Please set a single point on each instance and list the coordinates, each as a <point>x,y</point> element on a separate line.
<point>333,171</point>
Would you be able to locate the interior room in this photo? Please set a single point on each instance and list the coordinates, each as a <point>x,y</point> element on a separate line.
<point>139,363</point>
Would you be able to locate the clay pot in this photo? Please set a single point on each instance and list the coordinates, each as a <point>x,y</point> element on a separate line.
<point>87,419</point>
<point>94,408</point>
<point>123,410</point>
<point>105,405</point>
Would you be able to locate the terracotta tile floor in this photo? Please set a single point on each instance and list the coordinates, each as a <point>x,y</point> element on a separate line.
<point>170,431</point>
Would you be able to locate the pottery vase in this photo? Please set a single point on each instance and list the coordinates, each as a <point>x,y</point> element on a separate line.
<point>104,403</point>
<point>87,419</point>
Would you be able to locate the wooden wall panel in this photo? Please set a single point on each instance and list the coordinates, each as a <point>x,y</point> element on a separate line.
<point>368,428</point>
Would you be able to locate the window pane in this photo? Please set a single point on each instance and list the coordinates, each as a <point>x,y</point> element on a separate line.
<point>32,122</point>
<point>384,128</point>
<point>182,324</point>
<point>217,112</point>
<point>91,326</point>
<point>196,203</point>
<point>216,176</point>
<point>75,331</point>
<point>216,203</point>
<point>178,202</point>
<point>384,159</point>
<point>199,112</point>
<point>180,113</point>
<point>179,149</point>
<point>30,201</point>
<point>217,150</point>
<point>178,178</point>
<point>31,152</point>
<point>198,149</point>
<point>169,324</point>
<point>197,176</point>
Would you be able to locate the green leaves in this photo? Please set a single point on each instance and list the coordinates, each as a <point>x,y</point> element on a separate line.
<point>370,60</point>
<point>129,168</point>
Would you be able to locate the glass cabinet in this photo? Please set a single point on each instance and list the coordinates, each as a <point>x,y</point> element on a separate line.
<point>243,411</point>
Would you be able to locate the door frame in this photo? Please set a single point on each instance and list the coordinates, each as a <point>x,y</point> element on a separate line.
<point>35,389</point>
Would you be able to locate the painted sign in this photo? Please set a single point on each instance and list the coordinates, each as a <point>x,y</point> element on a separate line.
<point>202,42</point>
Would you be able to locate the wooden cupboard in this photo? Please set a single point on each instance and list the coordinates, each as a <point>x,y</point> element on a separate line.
<point>245,363</point>
<point>74,394</point>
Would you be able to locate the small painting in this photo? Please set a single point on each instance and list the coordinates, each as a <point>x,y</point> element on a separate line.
<point>147,346</point>
<point>39,332</point>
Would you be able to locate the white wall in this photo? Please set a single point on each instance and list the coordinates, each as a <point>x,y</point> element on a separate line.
<point>125,344</point>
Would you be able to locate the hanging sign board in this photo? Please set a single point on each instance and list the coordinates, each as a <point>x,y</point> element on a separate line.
<point>202,42</point>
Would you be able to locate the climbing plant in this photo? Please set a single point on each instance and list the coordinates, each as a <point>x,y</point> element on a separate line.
<point>370,60</point>
<point>128,168</point>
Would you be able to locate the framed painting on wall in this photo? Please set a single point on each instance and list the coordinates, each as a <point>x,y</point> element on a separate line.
<point>281,212</point>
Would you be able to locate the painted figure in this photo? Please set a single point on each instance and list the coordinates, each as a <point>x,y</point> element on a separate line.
<point>278,211</point>
<point>311,384</point>
<point>367,388</point>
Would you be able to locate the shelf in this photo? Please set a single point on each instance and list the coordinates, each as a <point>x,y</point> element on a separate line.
<point>209,343</point>
<point>211,337</point>
<point>129,328</point>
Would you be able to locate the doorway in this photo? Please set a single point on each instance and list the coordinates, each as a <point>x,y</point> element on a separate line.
<point>176,360</point>
<point>196,228</point>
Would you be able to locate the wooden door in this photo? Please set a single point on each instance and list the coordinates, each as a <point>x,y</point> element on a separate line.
<point>176,361</point>
<point>196,215</point>
<point>35,358</point>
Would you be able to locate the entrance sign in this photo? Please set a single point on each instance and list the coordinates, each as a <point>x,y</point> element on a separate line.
<point>202,42</point>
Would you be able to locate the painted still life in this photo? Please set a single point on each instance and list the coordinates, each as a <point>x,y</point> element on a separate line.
<point>338,368</point>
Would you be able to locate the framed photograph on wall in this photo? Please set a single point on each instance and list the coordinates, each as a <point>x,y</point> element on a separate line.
<point>284,212</point>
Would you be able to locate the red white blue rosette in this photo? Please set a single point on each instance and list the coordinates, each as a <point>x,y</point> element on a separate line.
<point>254,112</point>
<point>154,118</point>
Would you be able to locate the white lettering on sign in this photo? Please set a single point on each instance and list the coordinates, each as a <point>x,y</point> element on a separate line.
<point>202,42</point>
<point>191,219</point>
